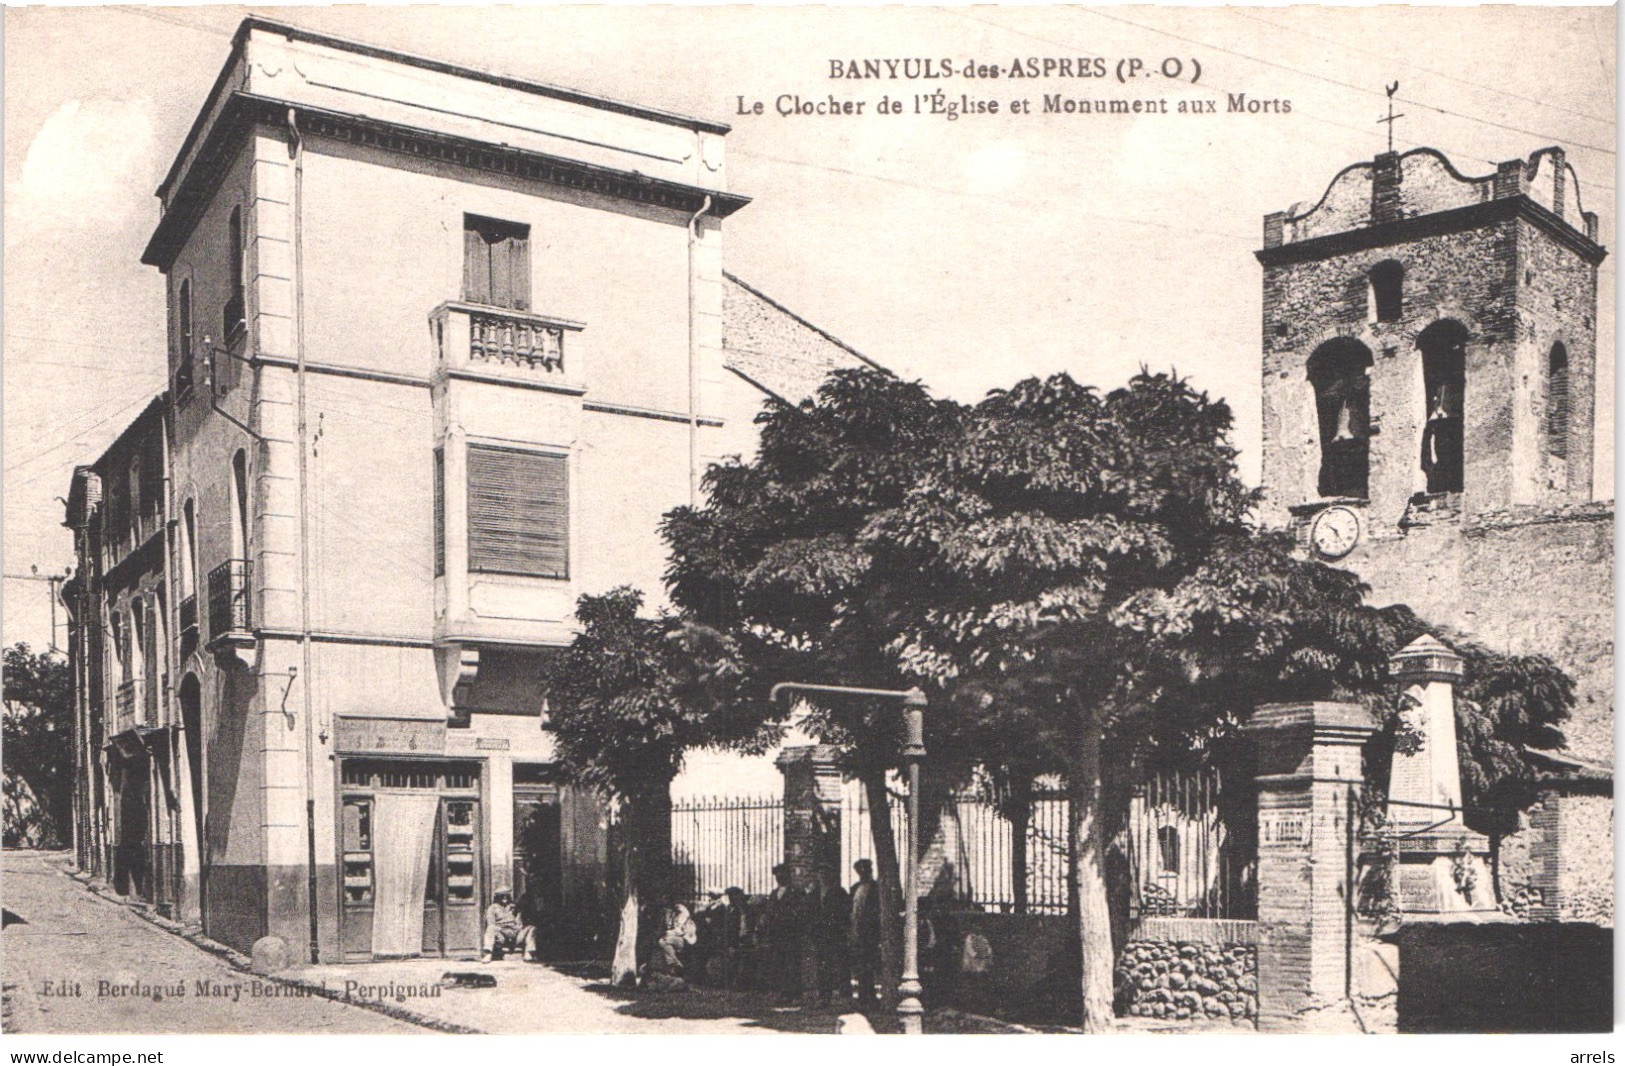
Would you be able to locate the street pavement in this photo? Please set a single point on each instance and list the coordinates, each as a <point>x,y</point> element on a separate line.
<point>76,963</point>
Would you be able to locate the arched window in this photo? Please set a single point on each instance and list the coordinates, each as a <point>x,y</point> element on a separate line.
<point>137,643</point>
<point>1168,848</point>
<point>135,500</point>
<point>183,337</point>
<point>1385,292</point>
<point>239,508</point>
<point>121,644</point>
<point>232,316</point>
<point>189,551</point>
<point>1337,370</point>
<point>1557,401</point>
<point>1444,380</point>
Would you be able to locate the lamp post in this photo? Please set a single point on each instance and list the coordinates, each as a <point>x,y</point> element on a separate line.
<point>910,1013</point>
<point>909,1010</point>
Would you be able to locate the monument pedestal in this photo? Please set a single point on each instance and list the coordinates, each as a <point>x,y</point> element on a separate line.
<point>1442,867</point>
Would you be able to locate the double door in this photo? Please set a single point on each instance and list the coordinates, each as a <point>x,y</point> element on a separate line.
<point>410,845</point>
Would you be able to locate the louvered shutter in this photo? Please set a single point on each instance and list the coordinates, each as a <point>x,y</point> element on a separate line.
<point>518,250</point>
<point>476,265</point>
<point>518,512</point>
<point>439,512</point>
<point>501,271</point>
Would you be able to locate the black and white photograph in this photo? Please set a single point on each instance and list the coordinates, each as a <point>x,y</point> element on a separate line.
<point>865,521</point>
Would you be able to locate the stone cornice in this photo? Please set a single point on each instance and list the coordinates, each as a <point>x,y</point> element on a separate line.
<point>1435,224</point>
<point>244,111</point>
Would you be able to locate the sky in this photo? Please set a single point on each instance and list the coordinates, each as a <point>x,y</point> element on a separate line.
<point>967,252</point>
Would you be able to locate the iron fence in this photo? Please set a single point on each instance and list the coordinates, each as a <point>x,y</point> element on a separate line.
<point>1180,851</point>
<point>1187,856</point>
<point>717,843</point>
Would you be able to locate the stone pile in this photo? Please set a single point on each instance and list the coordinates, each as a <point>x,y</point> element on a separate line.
<point>1188,981</point>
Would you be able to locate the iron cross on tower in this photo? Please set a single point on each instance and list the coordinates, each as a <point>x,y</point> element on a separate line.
<point>1392,89</point>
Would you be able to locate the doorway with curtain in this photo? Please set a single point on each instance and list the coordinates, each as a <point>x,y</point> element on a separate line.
<point>410,850</point>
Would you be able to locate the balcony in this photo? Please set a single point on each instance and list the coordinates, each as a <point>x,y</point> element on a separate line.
<point>488,343</point>
<point>231,616</point>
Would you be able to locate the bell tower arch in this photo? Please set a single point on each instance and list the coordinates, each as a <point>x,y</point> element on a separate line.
<point>1410,321</point>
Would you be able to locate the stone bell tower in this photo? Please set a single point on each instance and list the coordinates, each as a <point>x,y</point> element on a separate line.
<point>1429,347</point>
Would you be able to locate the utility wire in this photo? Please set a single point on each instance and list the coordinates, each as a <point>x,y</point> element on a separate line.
<point>1344,84</point>
<point>145,398</point>
<point>1386,57</point>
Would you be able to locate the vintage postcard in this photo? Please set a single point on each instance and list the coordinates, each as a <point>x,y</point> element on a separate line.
<point>703,520</point>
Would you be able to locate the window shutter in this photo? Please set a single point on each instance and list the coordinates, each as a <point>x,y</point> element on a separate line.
<point>501,271</point>
<point>476,266</point>
<point>439,512</point>
<point>519,271</point>
<point>518,512</point>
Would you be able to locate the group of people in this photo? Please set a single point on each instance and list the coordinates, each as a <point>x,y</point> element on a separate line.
<point>821,943</point>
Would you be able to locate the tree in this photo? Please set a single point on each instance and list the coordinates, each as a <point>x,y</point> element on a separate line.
<point>1075,577</point>
<point>1103,601</point>
<point>626,700</point>
<point>38,749</point>
<point>778,556</point>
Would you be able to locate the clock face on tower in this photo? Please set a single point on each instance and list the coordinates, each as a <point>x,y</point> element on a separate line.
<point>1335,532</point>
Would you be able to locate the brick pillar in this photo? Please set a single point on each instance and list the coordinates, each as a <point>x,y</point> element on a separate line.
<point>1308,763</point>
<point>812,812</point>
<point>1511,179</point>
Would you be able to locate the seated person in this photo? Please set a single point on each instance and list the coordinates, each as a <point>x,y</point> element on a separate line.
<point>664,970</point>
<point>504,928</point>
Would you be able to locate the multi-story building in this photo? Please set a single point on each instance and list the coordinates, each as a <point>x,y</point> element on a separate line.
<point>1429,381</point>
<point>444,347</point>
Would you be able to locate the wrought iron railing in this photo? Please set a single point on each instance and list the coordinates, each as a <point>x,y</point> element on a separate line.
<point>717,843</point>
<point>1192,851</point>
<point>230,605</point>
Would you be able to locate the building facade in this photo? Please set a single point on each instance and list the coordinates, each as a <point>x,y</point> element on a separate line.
<point>1429,379</point>
<point>444,347</point>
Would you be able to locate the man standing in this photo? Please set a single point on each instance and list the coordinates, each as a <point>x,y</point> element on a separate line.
<point>830,910</point>
<point>782,933</point>
<point>503,926</point>
<point>864,933</point>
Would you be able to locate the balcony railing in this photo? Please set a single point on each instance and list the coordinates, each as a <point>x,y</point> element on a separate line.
<point>230,607</point>
<point>506,343</point>
<point>127,706</point>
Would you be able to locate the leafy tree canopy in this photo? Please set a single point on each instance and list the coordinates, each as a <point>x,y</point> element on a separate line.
<point>37,744</point>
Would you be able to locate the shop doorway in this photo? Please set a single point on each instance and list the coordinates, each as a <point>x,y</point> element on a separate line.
<point>538,842</point>
<point>411,844</point>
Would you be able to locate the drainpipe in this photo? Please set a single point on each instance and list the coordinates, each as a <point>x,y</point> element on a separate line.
<point>171,635</point>
<point>694,363</point>
<point>298,147</point>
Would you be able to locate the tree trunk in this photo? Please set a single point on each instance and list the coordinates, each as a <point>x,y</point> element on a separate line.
<point>891,889</point>
<point>645,875</point>
<point>1088,830</point>
<point>624,966</point>
<point>1021,816</point>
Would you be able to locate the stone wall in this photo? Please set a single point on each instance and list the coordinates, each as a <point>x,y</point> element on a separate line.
<point>1190,969</point>
<point>1020,967</point>
<point>1559,865</point>
<point>1505,978</point>
<point>1474,576</point>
